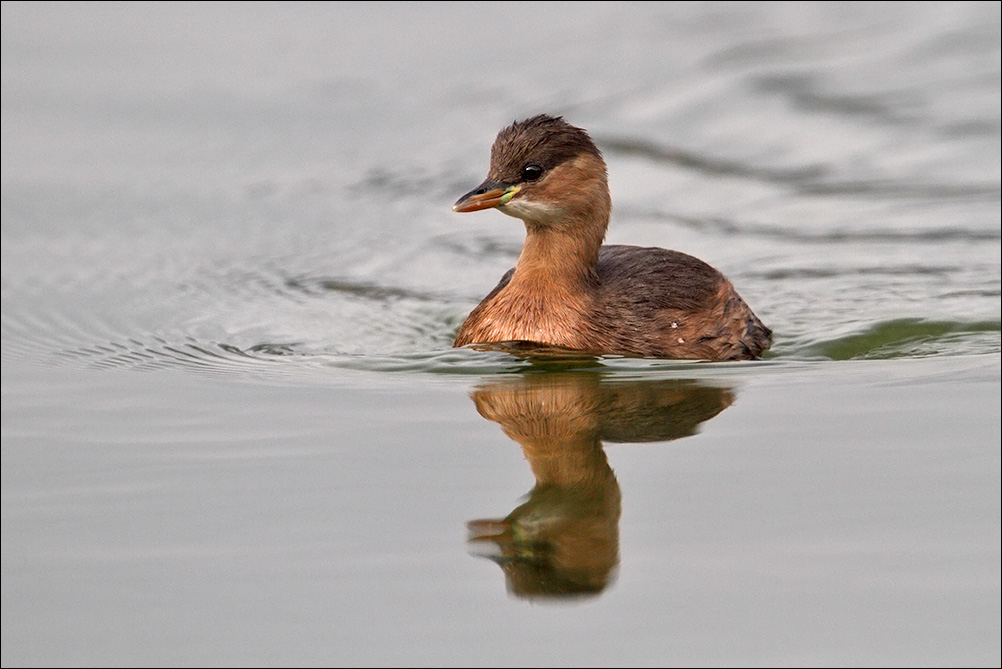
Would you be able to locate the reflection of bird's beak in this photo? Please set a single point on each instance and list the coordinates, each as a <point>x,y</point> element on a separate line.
<point>491,193</point>
<point>489,530</point>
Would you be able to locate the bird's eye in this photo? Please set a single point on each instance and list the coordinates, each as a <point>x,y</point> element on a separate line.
<point>531,172</point>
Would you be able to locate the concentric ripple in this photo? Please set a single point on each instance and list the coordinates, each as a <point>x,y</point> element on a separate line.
<point>275,323</point>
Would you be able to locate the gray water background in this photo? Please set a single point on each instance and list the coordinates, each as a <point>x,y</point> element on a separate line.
<point>233,428</point>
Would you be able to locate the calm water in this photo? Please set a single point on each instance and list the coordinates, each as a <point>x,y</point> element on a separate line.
<point>234,431</point>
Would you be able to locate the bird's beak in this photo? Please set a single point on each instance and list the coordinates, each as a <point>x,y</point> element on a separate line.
<point>491,193</point>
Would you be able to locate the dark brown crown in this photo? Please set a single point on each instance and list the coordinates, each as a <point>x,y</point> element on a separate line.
<point>542,140</point>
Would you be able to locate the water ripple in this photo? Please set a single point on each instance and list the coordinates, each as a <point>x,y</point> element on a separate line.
<point>909,338</point>
<point>271,317</point>
<point>708,165</point>
<point>806,180</point>
<point>726,227</point>
<point>890,339</point>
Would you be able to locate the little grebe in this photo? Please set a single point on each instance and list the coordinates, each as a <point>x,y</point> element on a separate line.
<point>569,290</point>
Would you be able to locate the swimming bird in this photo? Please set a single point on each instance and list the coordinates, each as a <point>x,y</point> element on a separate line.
<point>568,290</point>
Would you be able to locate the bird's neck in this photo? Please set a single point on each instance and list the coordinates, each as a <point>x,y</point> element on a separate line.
<point>556,259</point>
<point>552,290</point>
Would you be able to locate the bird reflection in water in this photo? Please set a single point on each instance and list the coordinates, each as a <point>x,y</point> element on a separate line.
<point>563,541</point>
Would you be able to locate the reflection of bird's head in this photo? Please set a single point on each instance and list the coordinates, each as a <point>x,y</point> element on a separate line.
<point>561,541</point>
<point>543,170</point>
